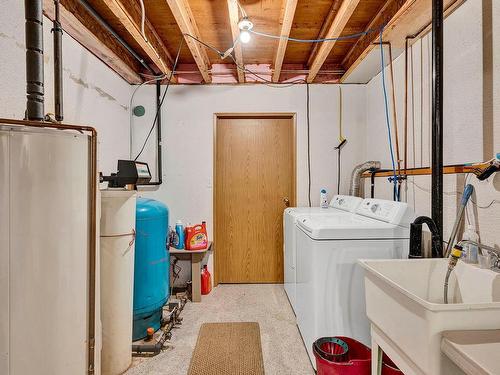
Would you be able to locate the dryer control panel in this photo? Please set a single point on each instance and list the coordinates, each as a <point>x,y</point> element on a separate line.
<point>346,202</point>
<point>388,211</point>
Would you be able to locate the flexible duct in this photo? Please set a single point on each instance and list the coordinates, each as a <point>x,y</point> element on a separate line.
<point>354,188</point>
<point>34,59</point>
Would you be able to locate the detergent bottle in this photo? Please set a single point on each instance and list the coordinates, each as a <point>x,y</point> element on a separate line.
<point>206,281</point>
<point>196,237</point>
<point>179,240</point>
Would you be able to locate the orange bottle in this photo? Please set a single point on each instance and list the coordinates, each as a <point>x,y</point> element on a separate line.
<point>206,281</point>
<point>196,237</point>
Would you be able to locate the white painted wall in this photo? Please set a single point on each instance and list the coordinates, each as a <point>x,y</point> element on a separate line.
<point>188,122</point>
<point>464,103</point>
<point>93,94</point>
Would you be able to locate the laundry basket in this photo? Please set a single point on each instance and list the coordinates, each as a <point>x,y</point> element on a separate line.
<point>341,356</point>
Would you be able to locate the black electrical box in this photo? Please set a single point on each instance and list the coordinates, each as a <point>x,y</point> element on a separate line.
<point>129,172</point>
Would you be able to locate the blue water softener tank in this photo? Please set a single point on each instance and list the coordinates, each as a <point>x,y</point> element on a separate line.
<point>151,266</point>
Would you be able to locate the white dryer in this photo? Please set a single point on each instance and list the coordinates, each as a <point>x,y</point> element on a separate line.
<point>339,205</point>
<point>330,291</point>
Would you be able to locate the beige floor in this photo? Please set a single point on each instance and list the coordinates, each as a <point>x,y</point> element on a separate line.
<point>283,350</point>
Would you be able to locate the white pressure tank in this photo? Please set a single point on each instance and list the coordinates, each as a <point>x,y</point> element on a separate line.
<point>117,278</point>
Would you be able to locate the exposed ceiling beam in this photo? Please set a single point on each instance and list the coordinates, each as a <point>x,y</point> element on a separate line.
<point>233,9</point>
<point>81,26</point>
<point>324,28</point>
<point>387,15</point>
<point>288,12</point>
<point>402,19</point>
<point>153,46</point>
<point>184,18</point>
<point>341,18</point>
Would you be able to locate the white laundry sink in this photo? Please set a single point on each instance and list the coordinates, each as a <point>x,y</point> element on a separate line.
<point>404,303</point>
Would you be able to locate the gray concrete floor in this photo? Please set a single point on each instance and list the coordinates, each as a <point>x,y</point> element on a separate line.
<point>282,346</point>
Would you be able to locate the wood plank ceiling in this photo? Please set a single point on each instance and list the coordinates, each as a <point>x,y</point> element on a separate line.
<point>215,22</point>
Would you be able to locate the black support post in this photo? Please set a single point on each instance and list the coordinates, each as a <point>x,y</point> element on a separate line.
<point>437,115</point>
<point>58,70</point>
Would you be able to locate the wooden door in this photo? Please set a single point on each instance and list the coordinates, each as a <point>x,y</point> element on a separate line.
<point>254,182</point>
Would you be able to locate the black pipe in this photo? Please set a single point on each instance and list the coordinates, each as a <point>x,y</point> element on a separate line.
<point>437,116</point>
<point>372,183</point>
<point>34,59</point>
<point>58,72</point>
<point>416,238</point>
<point>158,133</point>
<point>120,40</point>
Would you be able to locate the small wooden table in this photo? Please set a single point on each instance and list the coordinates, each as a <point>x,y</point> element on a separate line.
<point>196,256</point>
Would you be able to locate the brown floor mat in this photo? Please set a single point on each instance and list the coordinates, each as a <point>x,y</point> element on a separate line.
<point>228,349</point>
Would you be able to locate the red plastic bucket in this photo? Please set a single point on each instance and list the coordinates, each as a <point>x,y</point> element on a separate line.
<point>330,359</point>
<point>389,368</point>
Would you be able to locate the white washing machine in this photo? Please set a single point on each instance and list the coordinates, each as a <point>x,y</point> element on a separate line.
<point>339,205</point>
<point>330,291</point>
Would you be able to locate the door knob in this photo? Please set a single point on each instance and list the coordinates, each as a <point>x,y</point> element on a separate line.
<point>286,201</point>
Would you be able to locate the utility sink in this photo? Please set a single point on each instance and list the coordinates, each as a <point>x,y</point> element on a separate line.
<point>404,302</point>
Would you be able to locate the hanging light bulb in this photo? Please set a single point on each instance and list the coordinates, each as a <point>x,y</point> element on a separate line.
<point>244,36</point>
<point>245,25</point>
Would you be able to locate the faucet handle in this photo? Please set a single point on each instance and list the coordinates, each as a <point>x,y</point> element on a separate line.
<point>494,260</point>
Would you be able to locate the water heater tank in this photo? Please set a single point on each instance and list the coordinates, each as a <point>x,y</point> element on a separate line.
<point>151,266</point>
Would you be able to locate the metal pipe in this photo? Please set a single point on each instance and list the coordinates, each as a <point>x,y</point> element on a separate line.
<point>158,135</point>
<point>108,28</point>
<point>437,116</point>
<point>92,219</point>
<point>58,72</point>
<point>34,59</point>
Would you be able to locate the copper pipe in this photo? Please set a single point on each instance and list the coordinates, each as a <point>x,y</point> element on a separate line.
<point>406,108</point>
<point>92,217</point>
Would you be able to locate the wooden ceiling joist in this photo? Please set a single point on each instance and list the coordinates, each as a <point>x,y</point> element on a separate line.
<point>233,9</point>
<point>75,21</point>
<point>186,22</point>
<point>324,29</point>
<point>288,12</point>
<point>387,15</point>
<point>153,46</point>
<point>334,31</point>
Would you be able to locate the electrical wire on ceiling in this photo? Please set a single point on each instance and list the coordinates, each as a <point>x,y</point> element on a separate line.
<point>342,37</point>
<point>131,102</point>
<point>143,20</point>
<point>158,109</point>
<point>388,122</point>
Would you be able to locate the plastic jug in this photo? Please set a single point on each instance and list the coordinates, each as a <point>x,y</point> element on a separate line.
<point>206,281</point>
<point>470,253</point>
<point>179,230</point>
<point>196,237</point>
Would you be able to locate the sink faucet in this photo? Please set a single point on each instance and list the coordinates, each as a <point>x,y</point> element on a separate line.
<point>416,238</point>
<point>493,251</point>
<point>457,252</point>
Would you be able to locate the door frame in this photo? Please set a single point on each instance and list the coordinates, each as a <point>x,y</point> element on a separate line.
<point>246,115</point>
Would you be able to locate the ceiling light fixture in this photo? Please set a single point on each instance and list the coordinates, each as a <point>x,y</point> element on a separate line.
<point>245,25</point>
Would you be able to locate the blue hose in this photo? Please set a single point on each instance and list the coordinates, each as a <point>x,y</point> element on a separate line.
<point>395,191</point>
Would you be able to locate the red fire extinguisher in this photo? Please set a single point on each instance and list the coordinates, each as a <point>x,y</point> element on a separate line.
<point>206,281</point>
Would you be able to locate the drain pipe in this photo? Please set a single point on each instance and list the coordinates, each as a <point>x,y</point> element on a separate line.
<point>115,35</point>
<point>354,188</point>
<point>437,116</point>
<point>58,72</point>
<point>33,11</point>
